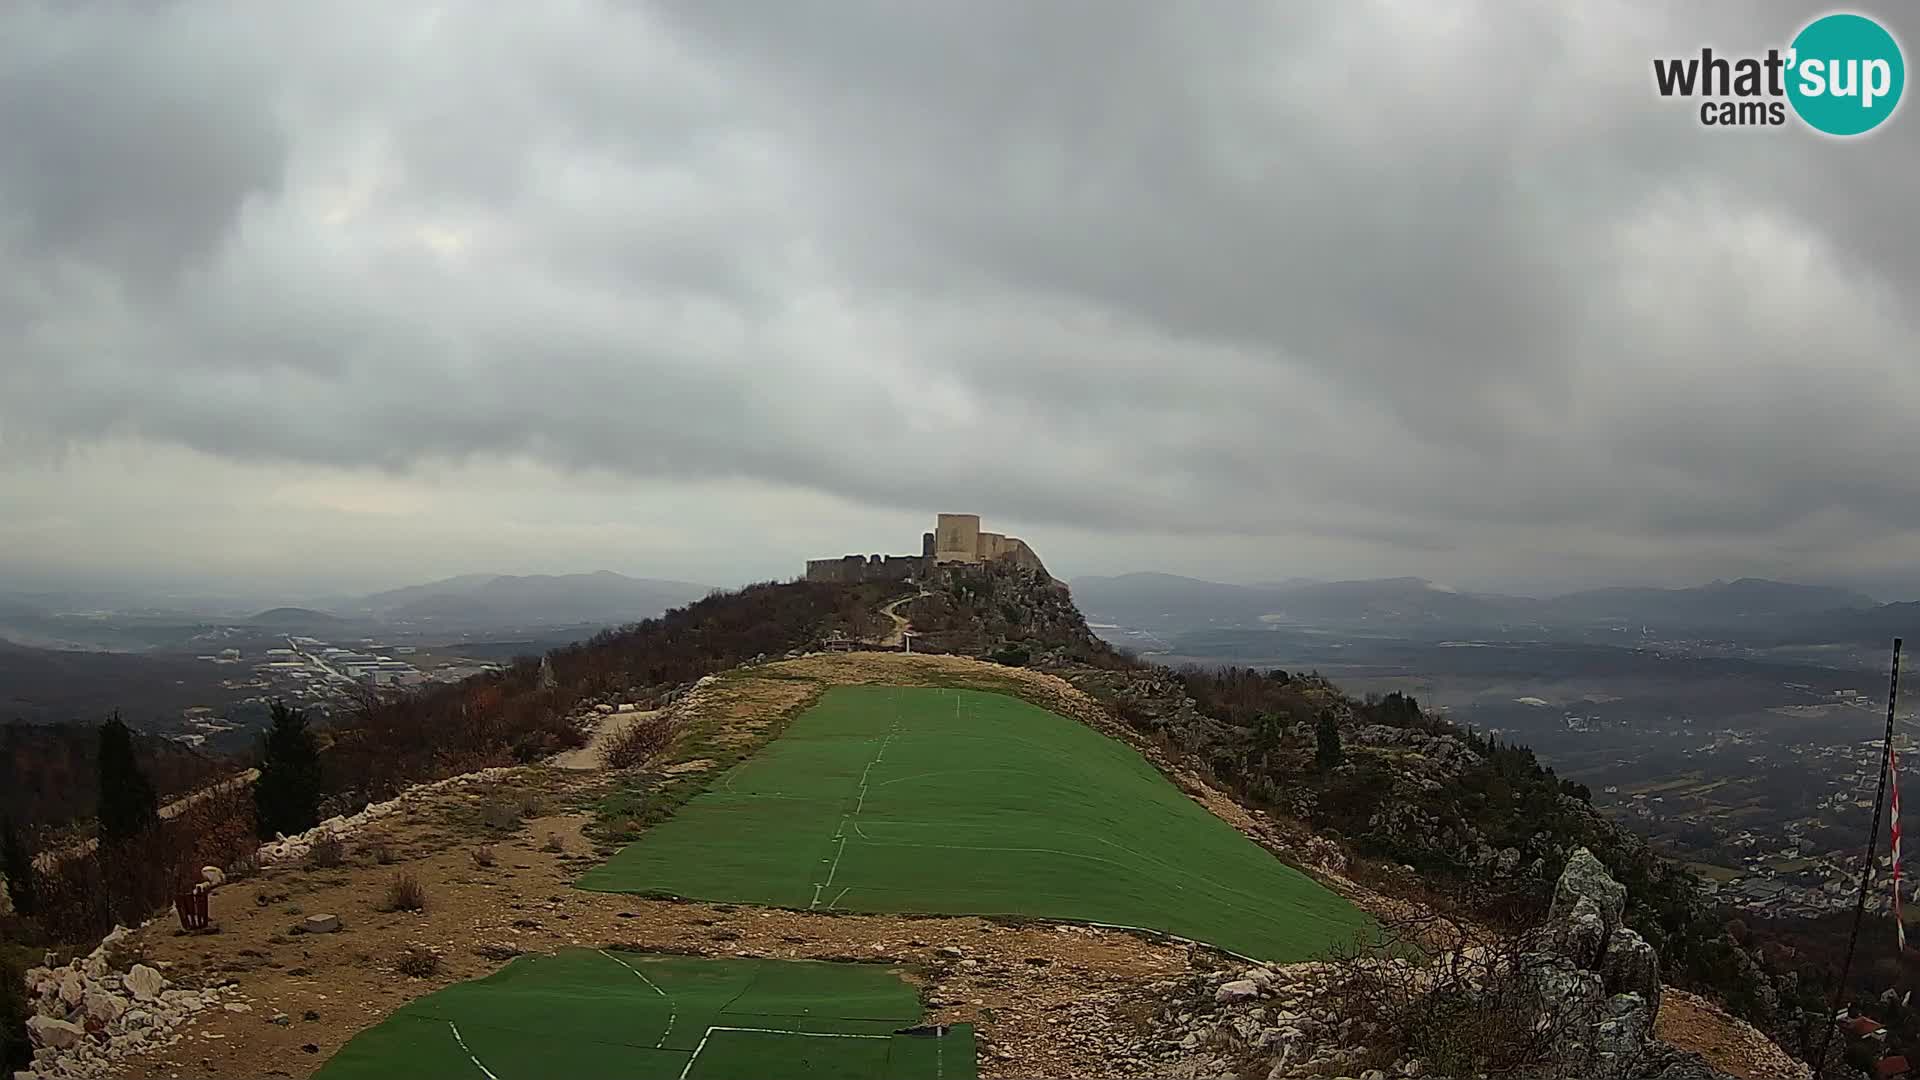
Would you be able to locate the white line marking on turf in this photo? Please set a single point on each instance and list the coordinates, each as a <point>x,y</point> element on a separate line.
<point>673,1011</point>
<point>835,869</point>
<point>767,1031</point>
<point>837,899</point>
<point>463,1045</point>
<point>840,833</point>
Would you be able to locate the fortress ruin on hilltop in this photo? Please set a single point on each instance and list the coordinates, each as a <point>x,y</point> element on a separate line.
<point>956,538</point>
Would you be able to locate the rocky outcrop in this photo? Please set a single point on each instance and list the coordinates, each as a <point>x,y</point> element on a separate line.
<point>1582,991</point>
<point>87,1015</point>
<point>1587,924</point>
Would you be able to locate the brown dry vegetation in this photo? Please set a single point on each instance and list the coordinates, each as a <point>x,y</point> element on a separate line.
<point>477,918</point>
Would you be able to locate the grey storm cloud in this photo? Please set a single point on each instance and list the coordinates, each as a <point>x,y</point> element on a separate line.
<point>1432,276</point>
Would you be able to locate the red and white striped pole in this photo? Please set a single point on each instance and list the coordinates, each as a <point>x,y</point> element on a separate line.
<point>1893,782</point>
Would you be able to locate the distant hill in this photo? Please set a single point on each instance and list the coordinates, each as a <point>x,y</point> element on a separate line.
<point>1148,599</point>
<point>294,618</point>
<point>1167,600</point>
<point>1721,602</point>
<point>1412,604</point>
<point>534,600</point>
<point>1877,624</point>
<point>395,598</point>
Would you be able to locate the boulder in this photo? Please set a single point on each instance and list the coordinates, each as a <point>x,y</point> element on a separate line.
<point>1237,990</point>
<point>1581,934</point>
<point>1630,966</point>
<point>213,876</point>
<point>321,924</point>
<point>144,983</point>
<point>103,1006</point>
<point>56,1034</point>
<point>1586,877</point>
<point>72,989</point>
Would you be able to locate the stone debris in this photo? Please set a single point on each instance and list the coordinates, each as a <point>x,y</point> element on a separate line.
<point>288,848</point>
<point>87,1017</point>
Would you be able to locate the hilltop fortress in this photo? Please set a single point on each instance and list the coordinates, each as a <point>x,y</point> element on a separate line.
<point>956,538</point>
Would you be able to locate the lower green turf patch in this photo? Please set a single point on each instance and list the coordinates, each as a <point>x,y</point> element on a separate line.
<point>587,1014</point>
<point>946,801</point>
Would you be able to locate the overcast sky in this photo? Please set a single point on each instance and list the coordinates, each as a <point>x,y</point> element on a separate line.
<point>359,294</point>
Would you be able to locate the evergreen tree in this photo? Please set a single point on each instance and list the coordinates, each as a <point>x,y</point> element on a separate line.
<point>128,805</point>
<point>17,863</point>
<point>1327,751</point>
<point>286,797</point>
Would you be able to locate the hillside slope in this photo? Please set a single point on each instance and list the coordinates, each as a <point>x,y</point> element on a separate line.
<point>1425,808</point>
<point>1406,815</point>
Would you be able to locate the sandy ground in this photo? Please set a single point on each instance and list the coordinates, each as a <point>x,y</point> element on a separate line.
<point>309,994</point>
<point>1733,1046</point>
<point>593,755</point>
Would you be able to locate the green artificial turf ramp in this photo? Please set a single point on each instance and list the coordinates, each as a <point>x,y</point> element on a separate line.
<point>960,802</point>
<point>587,1014</point>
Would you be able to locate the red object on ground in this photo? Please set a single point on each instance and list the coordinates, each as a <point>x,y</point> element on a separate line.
<point>192,906</point>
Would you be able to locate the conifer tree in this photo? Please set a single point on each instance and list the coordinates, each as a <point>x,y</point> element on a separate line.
<point>128,805</point>
<point>286,797</point>
<point>1327,751</point>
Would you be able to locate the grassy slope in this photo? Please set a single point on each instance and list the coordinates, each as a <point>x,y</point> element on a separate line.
<point>960,802</point>
<point>583,1013</point>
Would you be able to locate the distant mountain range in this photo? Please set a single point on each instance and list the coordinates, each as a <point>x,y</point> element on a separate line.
<point>1409,604</point>
<point>502,600</point>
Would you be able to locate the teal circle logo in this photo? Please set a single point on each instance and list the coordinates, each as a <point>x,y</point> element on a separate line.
<point>1846,74</point>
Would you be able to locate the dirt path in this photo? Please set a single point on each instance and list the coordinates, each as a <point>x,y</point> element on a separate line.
<point>593,755</point>
<point>898,634</point>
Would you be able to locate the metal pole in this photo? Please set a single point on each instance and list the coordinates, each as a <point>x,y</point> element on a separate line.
<point>1866,872</point>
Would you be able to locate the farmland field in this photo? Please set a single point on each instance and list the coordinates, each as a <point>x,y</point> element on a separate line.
<point>944,801</point>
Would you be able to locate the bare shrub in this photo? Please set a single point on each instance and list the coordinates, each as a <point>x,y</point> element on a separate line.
<point>327,852</point>
<point>244,865</point>
<point>418,962</point>
<point>1474,1006</point>
<point>82,894</point>
<point>382,852</point>
<point>639,743</point>
<point>553,843</point>
<point>483,856</point>
<point>404,893</point>
<point>499,813</point>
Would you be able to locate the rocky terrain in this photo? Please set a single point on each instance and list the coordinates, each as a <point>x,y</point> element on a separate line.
<point>494,852</point>
<point>1585,984</point>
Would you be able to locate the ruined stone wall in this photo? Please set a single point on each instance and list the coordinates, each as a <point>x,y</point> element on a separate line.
<point>856,569</point>
<point>1016,551</point>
